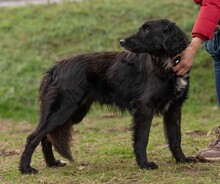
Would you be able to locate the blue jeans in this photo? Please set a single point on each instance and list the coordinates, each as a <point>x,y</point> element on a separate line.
<point>213,48</point>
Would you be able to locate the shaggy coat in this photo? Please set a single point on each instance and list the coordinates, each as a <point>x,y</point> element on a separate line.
<point>139,80</point>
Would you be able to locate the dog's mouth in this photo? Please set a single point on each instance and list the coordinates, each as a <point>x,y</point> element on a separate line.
<point>128,49</point>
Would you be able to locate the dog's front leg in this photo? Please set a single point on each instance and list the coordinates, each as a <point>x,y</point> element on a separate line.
<point>172,127</point>
<point>142,118</point>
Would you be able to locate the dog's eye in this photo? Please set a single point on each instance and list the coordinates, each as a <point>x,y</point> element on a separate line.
<point>146,30</point>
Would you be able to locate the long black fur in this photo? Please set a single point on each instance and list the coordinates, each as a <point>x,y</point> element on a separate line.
<point>139,80</point>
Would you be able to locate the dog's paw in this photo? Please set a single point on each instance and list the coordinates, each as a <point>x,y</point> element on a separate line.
<point>28,170</point>
<point>148,165</point>
<point>190,159</point>
<point>57,163</point>
<point>187,160</point>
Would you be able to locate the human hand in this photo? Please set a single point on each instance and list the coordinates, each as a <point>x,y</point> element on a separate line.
<point>187,57</point>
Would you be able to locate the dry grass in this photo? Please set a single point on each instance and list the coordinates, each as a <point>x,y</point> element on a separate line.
<point>103,152</point>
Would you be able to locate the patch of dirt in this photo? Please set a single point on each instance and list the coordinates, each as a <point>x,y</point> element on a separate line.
<point>5,125</point>
<point>197,132</point>
<point>10,127</point>
<point>110,115</point>
<point>162,146</point>
<point>11,136</point>
<point>12,152</point>
<point>120,129</point>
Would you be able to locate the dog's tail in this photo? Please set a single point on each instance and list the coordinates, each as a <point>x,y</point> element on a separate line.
<point>61,139</point>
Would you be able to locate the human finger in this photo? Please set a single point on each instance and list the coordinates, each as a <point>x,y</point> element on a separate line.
<point>177,67</point>
<point>182,71</point>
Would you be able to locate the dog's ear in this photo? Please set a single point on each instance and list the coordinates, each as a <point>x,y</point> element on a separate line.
<point>175,41</point>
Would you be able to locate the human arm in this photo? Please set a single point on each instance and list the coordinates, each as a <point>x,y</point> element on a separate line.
<point>203,29</point>
<point>187,57</point>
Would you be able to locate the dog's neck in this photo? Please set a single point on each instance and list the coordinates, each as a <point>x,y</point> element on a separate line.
<point>167,64</point>
<point>162,63</point>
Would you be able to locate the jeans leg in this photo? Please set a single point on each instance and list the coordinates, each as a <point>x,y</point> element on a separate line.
<point>216,64</point>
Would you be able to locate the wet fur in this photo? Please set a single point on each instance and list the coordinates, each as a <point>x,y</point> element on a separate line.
<point>139,80</point>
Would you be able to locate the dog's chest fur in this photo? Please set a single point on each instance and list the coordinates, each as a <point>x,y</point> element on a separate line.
<point>181,83</point>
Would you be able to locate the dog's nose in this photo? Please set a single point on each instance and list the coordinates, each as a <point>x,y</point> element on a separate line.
<point>122,42</point>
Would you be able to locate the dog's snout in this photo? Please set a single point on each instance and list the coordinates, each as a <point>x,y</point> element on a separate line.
<point>122,42</point>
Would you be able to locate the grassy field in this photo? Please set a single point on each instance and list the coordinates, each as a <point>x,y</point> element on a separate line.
<point>32,38</point>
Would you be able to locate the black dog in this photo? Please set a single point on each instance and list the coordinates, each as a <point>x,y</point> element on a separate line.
<point>139,80</point>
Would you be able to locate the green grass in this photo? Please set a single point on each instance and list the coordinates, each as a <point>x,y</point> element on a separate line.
<point>103,153</point>
<point>32,38</point>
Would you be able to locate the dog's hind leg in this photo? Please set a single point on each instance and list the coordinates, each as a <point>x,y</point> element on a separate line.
<point>61,137</point>
<point>53,121</point>
<point>48,154</point>
<point>24,165</point>
<point>172,127</point>
<point>142,119</point>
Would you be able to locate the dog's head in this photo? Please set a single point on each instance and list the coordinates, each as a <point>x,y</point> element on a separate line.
<point>157,37</point>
